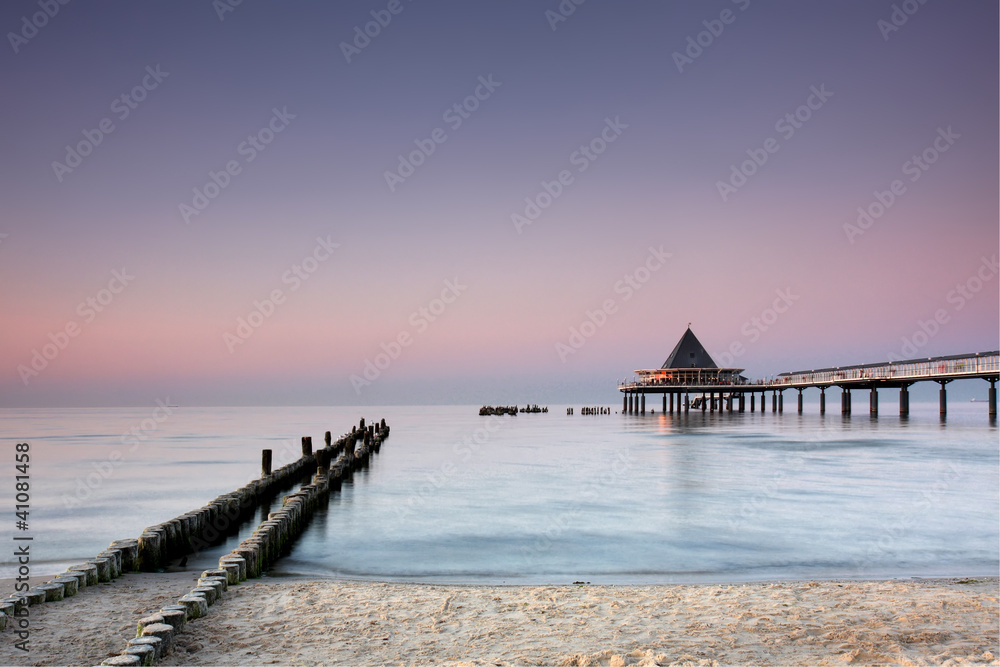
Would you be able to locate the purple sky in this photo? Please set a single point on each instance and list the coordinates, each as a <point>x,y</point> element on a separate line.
<point>661,217</point>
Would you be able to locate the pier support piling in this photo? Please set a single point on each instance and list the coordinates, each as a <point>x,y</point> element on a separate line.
<point>703,406</point>
<point>781,401</point>
<point>742,403</point>
<point>774,401</point>
<point>752,396</point>
<point>642,400</point>
<point>665,403</point>
<point>904,401</point>
<point>800,401</point>
<point>943,399</point>
<point>993,398</point>
<point>873,402</point>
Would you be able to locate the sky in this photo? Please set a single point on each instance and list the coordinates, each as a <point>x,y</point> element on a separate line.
<point>443,201</point>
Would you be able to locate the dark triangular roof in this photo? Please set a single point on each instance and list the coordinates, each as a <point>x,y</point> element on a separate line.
<point>689,353</point>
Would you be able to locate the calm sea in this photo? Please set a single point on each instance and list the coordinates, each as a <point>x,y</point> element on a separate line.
<point>537,498</point>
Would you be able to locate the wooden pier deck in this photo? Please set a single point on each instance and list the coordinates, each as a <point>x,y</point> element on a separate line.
<point>887,375</point>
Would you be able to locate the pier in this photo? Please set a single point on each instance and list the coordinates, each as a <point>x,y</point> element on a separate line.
<point>689,379</point>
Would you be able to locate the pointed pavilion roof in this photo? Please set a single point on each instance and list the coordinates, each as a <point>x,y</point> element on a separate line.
<point>689,353</point>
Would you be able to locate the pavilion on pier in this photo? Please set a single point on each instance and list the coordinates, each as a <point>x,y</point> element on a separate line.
<point>690,364</point>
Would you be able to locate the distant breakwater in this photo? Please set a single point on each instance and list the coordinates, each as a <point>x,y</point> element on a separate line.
<point>511,410</point>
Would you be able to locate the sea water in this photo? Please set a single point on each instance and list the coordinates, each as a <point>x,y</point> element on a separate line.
<point>538,498</point>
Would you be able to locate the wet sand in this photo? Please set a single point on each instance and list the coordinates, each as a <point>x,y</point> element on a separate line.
<point>306,621</point>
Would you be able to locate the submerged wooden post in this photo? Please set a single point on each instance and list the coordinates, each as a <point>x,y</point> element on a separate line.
<point>307,446</point>
<point>265,462</point>
<point>328,438</point>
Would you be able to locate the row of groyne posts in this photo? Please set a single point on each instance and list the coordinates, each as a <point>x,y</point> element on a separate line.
<point>634,402</point>
<point>158,546</point>
<point>591,410</point>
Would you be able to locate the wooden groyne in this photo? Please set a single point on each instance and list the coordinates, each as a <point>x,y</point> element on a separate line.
<point>323,471</point>
<point>596,410</point>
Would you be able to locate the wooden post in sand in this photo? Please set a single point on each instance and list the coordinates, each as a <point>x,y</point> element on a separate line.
<point>265,462</point>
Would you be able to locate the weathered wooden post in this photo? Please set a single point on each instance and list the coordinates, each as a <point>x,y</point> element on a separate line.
<point>328,438</point>
<point>307,446</point>
<point>265,462</point>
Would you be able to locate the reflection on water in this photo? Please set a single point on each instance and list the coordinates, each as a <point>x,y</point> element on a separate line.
<point>550,497</point>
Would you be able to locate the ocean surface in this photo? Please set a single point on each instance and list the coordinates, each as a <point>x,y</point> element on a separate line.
<point>538,498</point>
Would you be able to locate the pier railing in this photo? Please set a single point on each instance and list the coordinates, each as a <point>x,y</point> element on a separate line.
<point>982,365</point>
<point>977,365</point>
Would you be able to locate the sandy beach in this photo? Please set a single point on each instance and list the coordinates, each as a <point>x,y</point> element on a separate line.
<point>304,621</point>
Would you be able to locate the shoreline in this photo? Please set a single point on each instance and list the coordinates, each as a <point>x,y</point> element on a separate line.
<point>299,619</point>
